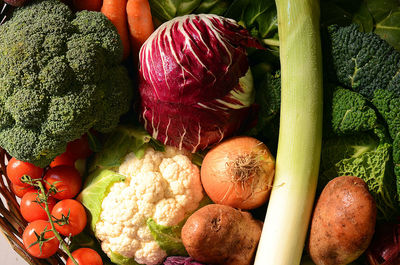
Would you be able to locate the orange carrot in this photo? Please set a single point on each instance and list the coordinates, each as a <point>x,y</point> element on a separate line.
<point>115,10</point>
<point>140,24</point>
<point>91,5</point>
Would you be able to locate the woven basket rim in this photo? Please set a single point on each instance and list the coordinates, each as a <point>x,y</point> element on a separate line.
<point>12,224</point>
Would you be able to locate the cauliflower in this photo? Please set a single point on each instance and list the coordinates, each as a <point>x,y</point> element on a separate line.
<point>164,186</point>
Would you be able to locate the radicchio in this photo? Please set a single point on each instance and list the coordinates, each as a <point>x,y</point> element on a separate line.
<point>195,83</point>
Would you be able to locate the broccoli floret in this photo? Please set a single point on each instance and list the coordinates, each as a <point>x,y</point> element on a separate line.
<point>370,66</point>
<point>60,75</point>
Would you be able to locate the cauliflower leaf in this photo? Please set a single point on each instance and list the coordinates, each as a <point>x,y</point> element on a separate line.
<point>97,186</point>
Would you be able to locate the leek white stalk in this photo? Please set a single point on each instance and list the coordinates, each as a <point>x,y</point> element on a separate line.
<point>300,135</point>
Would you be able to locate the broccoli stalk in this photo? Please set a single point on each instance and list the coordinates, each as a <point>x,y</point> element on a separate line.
<point>300,134</point>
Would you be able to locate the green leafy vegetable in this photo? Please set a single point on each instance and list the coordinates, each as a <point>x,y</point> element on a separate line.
<point>258,16</point>
<point>168,238</point>
<point>369,66</point>
<point>268,99</point>
<point>95,189</point>
<point>119,143</point>
<point>380,17</point>
<point>168,9</point>
<point>121,260</point>
<point>366,157</point>
<point>351,113</point>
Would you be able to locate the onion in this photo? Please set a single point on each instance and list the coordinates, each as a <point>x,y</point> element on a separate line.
<point>238,172</point>
<point>385,246</point>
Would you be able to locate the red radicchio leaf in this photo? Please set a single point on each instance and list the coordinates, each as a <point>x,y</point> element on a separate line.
<point>192,91</point>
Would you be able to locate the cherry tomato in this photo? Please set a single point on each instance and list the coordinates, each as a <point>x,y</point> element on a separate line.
<point>85,256</point>
<point>31,210</point>
<point>63,159</point>
<point>20,191</point>
<point>79,148</point>
<point>66,179</point>
<point>17,168</point>
<point>77,217</point>
<point>48,248</point>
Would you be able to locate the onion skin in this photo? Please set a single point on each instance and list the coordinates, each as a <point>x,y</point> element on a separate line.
<point>223,184</point>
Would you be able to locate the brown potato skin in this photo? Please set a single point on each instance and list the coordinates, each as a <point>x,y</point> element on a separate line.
<point>221,235</point>
<point>343,222</point>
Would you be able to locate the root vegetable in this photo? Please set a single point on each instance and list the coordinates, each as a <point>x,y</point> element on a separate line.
<point>238,172</point>
<point>343,222</point>
<point>221,235</point>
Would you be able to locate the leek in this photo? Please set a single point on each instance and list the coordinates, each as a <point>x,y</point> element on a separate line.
<point>300,134</point>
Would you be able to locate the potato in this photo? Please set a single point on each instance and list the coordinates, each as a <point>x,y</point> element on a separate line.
<point>221,235</point>
<point>343,222</point>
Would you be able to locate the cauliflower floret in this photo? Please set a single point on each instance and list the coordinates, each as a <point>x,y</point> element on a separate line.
<point>164,186</point>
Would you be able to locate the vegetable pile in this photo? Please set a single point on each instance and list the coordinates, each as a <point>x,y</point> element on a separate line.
<point>219,132</point>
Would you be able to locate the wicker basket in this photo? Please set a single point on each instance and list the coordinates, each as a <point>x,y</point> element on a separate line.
<point>12,223</point>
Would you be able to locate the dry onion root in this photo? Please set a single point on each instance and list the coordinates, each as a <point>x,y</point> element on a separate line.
<point>238,172</point>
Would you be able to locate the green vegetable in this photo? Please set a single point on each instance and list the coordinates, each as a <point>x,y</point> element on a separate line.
<point>168,238</point>
<point>268,99</point>
<point>96,188</point>
<point>380,17</point>
<point>368,65</point>
<point>60,75</point>
<point>357,144</point>
<point>300,134</point>
<point>258,16</point>
<point>121,260</point>
<point>168,9</point>
<point>350,113</point>
<point>119,143</point>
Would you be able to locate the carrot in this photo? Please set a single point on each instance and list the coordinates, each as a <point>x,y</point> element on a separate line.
<point>91,5</point>
<point>115,10</point>
<point>140,24</point>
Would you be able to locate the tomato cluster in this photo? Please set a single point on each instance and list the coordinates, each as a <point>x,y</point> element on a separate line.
<point>62,182</point>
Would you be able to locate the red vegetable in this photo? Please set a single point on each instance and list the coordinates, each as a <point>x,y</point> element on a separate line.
<point>66,179</point>
<point>31,210</point>
<point>91,5</point>
<point>63,159</point>
<point>191,91</point>
<point>20,191</point>
<point>76,217</point>
<point>17,168</point>
<point>85,256</point>
<point>385,246</point>
<point>29,237</point>
<point>79,148</point>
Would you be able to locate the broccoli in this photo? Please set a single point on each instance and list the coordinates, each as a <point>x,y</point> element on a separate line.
<point>60,75</point>
<point>369,66</point>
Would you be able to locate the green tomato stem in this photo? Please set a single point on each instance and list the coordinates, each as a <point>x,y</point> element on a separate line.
<point>64,246</point>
